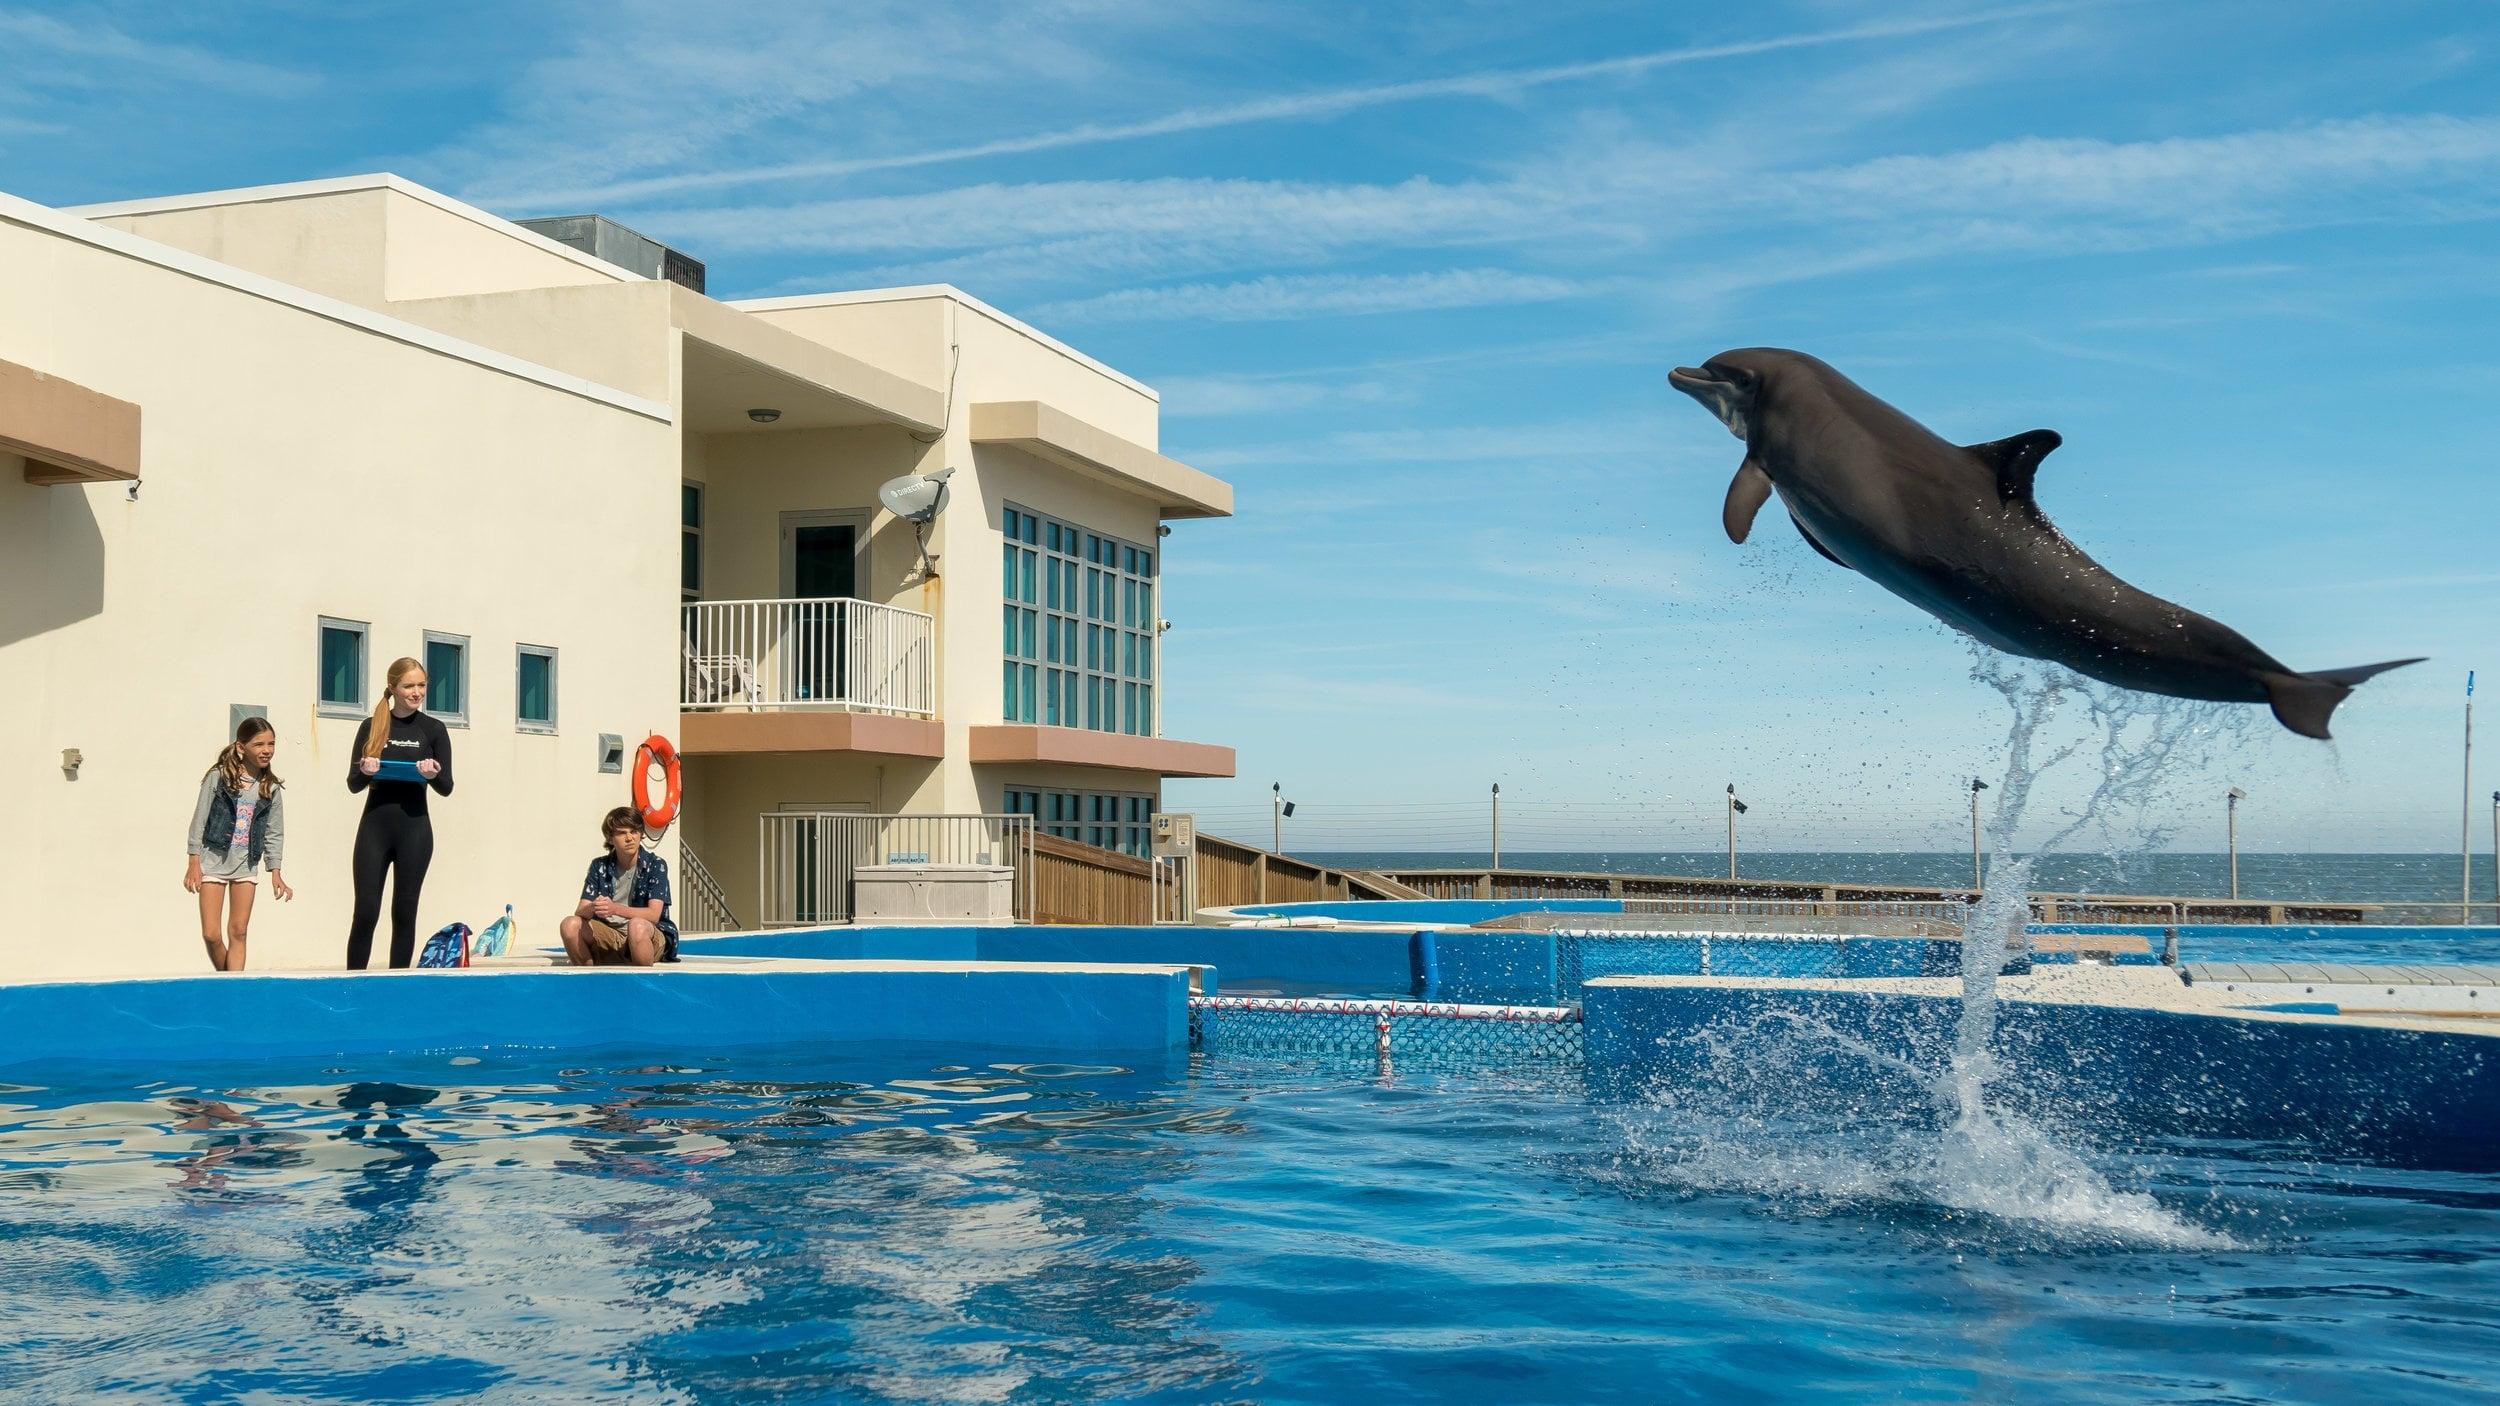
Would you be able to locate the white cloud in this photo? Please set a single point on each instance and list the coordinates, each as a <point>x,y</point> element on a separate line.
<point>1568,440</point>
<point>46,50</point>
<point>1498,83</point>
<point>1264,395</point>
<point>1316,295</point>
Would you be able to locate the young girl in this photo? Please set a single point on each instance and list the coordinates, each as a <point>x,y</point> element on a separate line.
<point>239,823</point>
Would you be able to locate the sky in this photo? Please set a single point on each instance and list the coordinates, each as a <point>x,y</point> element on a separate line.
<point>1410,276</point>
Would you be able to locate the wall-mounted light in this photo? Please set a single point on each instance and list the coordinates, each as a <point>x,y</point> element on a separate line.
<point>763,414</point>
<point>71,760</point>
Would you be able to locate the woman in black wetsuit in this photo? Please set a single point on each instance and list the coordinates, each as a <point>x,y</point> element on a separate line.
<point>395,829</point>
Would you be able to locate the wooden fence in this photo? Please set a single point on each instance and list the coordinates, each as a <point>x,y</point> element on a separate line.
<point>2051,907</point>
<point>1075,883</point>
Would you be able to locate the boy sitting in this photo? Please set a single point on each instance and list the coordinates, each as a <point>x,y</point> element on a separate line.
<point>623,916</point>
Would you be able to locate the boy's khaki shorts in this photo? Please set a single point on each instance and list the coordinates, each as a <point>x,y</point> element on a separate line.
<point>604,936</point>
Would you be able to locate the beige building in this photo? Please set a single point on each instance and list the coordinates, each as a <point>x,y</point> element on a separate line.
<point>256,444</point>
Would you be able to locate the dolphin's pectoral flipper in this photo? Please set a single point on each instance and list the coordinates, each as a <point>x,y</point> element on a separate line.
<point>1819,547</point>
<point>1745,497</point>
<point>2303,702</point>
<point>2016,458</point>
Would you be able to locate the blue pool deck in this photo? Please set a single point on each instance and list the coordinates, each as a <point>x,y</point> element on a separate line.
<point>2380,1057</point>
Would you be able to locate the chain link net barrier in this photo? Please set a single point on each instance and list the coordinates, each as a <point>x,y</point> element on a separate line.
<point>1581,955</point>
<point>1387,1034</point>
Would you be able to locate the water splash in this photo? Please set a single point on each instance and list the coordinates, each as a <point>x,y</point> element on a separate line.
<point>1997,1159</point>
<point>1920,1125</point>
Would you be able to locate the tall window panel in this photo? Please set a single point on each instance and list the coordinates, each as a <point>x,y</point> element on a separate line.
<point>1121,821</point>
<point>1079,619</point>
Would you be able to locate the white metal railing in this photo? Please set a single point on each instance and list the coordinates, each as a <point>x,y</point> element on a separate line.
<point>833,653</point>
<point>809,860</point>
<point>702,905</point>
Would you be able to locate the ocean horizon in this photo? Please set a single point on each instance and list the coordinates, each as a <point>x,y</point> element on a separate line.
<point>2277,876</point>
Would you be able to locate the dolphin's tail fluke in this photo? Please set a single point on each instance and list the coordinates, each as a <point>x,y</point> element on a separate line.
<point>2303,702</point>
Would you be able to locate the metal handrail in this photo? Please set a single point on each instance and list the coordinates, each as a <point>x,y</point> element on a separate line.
<point>705,907</point>
<point>835,652</point>
<point>808,862</point>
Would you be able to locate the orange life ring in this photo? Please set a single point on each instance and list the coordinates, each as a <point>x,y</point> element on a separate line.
<point>655,748</point>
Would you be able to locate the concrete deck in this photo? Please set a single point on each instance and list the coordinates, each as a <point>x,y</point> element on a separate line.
<point>526,1001</point>
<point>2141,988</point>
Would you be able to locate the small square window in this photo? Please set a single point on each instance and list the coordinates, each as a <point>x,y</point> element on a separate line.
<point>534,706</point>
<point>342,682</point>
<point>447,677</point>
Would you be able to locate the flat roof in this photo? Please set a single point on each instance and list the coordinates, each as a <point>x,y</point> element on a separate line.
<point>921,291</point>
<point>337,185</point>
<point>84,230</point>
<point>1053,435</point>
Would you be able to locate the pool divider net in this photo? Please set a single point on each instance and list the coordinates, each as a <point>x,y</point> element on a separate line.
<point>1385,1034</point>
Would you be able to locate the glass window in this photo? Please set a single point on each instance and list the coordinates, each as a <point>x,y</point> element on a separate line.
<point>342,682</point>
<point>447,677</point>
<point>534,708</point>
<point>1076,583</point>
<point>690,550</point>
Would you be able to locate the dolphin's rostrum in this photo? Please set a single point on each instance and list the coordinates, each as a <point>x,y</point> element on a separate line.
<point>1953,530</point>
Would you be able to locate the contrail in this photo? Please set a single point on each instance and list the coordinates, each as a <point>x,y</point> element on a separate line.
<point>1284,109</point>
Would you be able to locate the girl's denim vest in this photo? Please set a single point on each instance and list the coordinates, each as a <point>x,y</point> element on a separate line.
<point>217,837</point>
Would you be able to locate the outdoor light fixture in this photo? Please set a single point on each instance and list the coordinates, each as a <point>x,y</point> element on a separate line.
<point>2231,805</point>
<point>763,414</point>
<point>1735,808</point>
<point>1978,876</point>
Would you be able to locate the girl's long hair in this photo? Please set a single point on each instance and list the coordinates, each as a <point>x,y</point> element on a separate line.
<point>231,767</point>
<point>380,731</point>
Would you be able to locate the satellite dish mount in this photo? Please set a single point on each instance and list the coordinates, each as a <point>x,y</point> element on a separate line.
<point>916,498</point>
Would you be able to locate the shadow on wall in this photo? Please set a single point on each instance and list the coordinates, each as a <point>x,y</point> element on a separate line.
<point>50,534</point>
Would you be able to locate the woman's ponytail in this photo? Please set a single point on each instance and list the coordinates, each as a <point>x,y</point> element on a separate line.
<point>379,732</point>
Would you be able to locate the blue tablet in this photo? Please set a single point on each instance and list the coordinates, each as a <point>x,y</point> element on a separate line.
<point>393,770</point>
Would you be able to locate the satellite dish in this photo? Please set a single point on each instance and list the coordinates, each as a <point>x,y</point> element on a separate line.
<point>916,497</point>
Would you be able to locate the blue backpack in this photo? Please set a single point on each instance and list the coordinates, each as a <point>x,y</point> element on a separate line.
<point>448,948</point>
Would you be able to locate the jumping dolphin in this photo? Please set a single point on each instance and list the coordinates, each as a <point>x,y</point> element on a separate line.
<point>1953,530</point>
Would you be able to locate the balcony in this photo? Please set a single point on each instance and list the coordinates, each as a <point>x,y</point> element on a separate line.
<point>831,674</point>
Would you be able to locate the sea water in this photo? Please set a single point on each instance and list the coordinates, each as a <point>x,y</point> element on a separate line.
<point>913,1225</point>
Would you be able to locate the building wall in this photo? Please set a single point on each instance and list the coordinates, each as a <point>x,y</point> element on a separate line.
<point>905,336</point>
<point>437,253</point>
<point>297,466</point>
<point>1002,359</point>
<point>331,244</point>
<point>724,795</point>
<point>616,334</point>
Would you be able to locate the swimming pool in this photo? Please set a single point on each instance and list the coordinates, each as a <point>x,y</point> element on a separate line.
<point>913,1223</point>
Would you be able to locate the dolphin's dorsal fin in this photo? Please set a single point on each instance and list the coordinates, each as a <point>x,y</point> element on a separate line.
<point>2015,459</point>
<point>1745,497</point>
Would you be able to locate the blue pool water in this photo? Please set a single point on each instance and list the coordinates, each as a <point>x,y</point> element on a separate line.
<point>900,1224</point>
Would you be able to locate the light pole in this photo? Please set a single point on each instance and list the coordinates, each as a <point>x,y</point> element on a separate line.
<point>2231,814</point>
<point>2495,856</point>
<point>1735,808</point>
<point>1978,880</point>
<point>1283,808</point>
<point>2465,810</point>
<point>1497,824</point>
